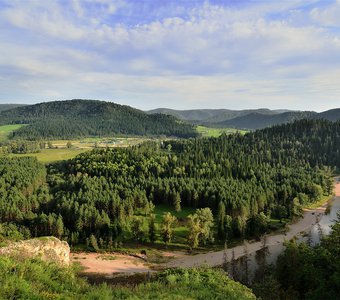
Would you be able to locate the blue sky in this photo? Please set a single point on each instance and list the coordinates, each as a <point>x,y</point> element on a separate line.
<point>180,54</point>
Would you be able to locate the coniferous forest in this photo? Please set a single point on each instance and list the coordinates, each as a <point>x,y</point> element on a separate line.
<point>234,184</point>
<point>83,118</point>
<point>104,194</point>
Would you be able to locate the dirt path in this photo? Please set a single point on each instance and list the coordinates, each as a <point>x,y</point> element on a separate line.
<point>108,264</point>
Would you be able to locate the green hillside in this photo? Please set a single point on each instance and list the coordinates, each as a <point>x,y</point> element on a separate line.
<point>245,119</point>
<point>7,130</point>
<point>4,107</point>
<point>213,115</point>
<point>81,118</point>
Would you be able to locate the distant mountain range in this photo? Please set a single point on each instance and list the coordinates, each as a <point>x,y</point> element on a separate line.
<point>212,115</point>
<point>245,119</point>
<point>82,118</point>
<point>9,106</point>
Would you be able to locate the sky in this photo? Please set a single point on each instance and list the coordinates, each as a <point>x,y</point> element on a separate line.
<point>181,54</point>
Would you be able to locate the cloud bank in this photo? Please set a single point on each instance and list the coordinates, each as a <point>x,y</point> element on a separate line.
<point>178,54</point>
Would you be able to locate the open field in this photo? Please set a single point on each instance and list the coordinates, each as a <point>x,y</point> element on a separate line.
<point>51,155</point>
<point>6,130</point>
<point>60,150</point>
<point>216,132</point>
<point>98,142</point>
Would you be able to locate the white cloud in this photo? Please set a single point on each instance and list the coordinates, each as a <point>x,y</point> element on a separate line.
<point>271,54</point>
<point>327,16</point>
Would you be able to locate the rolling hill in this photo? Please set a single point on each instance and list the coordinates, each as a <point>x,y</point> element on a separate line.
<point>246,119</point>
<point>212,115</point>
<point>80,118</point>
<point>259,120</point>
<point>4,107</point>
<point>331,115</point>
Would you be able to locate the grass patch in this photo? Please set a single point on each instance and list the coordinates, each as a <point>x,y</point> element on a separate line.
<point>160,209</point>
<point>216,132</point>
<point>181,231</point>
<point>107,257</point>
<point>100,142</point>
<point>6,130</point>
<point>319,203</point>
<point>52,155</point>
<point>276,226</point>
<point>61,152</point>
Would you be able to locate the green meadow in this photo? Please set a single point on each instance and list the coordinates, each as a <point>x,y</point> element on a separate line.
<point>52,155</point>
<point>181,230</point>
<point>6,130</point>
<point>216,132</point>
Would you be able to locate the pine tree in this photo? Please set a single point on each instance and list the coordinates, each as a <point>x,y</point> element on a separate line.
<point>59,227</point>
<point>152,228</point>
<point>177,202</point>
<point>220,221</point>
<point>93,242</point>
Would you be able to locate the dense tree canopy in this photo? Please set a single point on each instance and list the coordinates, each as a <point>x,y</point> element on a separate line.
<point>81,118</point>
<point>245,180</point>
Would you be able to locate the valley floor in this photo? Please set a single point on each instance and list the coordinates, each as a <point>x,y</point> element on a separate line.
<point>110,264</point>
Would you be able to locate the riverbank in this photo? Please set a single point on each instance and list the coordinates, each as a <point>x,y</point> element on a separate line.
<point>114,263</point>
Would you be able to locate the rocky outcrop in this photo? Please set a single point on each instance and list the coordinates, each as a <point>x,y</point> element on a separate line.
<point>47,248</point>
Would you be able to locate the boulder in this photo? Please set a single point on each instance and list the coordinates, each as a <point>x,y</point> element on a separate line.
<point>48,249</point>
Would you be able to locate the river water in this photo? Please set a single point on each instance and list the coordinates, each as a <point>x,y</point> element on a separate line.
<point>325,222</point>
<point>322,226</point>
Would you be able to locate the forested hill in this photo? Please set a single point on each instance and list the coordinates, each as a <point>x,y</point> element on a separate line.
<point>259,120</point>
<point>247,119</point>
<point>9,106</point>
<point>79,118</point>
<point>214,115</point>
<point>237,182</point>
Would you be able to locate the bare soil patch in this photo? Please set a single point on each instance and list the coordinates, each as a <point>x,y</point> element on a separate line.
<point>109,263</point>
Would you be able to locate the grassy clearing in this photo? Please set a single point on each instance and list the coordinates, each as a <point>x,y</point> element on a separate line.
<point>6,130</point>
<point>160,209</point>
<point>52,155</point>
<point>216,132</point>
<point>61,152</point>
<point>92,142</point>
<point>181,231</point>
